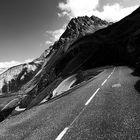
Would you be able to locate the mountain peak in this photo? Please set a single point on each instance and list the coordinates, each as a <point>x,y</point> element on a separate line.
<point>85,21</point>
<point>80,26</point>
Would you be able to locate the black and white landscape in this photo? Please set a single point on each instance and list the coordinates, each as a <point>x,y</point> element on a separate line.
<point>85,86</point>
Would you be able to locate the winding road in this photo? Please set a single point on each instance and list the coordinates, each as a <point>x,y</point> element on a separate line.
<point>106,108</point>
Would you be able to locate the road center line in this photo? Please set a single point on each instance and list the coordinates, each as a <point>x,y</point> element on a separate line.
<point>104,82</point>
<point>62,134</point>
<point>109,76</point>
<point>92,97</point>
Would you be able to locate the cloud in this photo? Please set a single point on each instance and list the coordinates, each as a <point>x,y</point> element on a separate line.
<point>48,42</point>
<point>13,63</point>
<point>114,12</point>
<point>55,35</point>
<point>9,64</point>
<point>75,8</point>
<point>28,60</point>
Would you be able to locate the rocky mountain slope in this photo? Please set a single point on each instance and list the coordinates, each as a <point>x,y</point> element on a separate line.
<point>12,79</point>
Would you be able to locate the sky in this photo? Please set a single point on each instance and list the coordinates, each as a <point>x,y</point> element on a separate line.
<point>28,27</point>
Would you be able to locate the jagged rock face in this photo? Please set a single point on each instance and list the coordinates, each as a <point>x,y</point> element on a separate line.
<point>79,27</point>
<point>82,26</point>
<point>13,79</point>
<point>46,53</point>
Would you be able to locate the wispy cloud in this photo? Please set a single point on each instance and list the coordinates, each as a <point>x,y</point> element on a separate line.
<point>48,42</point>
<point>55,35</point>
<point>75,8</point>
<point>114,12</point>
<point>28,60</point>
<point>9,64</point>
<point>12,63</point>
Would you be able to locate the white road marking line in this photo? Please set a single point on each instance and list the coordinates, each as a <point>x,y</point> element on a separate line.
<point>92,97</point>
<point>109,76</point>
<point>113,71</point>
<point>104,82</point>
<point>77,117</point>
<point>59,137</point>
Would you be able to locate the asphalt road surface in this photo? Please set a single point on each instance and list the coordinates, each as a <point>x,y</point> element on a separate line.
<point>106,108</point>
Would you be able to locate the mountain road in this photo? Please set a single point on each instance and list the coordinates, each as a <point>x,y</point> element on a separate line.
<point>106,108</point>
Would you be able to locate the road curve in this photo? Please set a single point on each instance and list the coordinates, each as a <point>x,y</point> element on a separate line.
<point>105,108</point>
